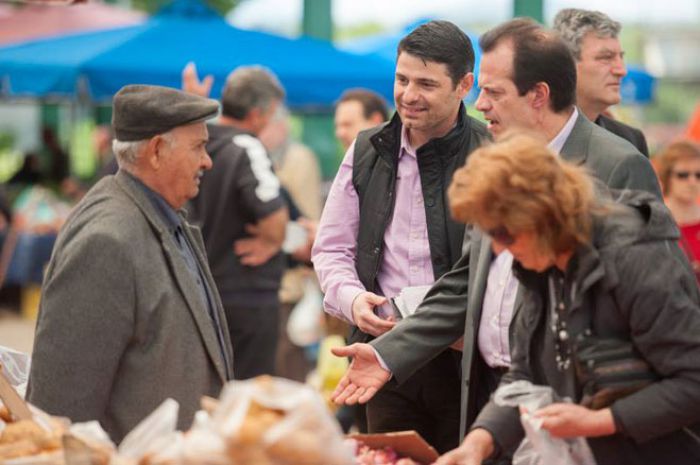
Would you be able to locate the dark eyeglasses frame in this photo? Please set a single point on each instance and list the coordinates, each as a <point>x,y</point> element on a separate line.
<point>684,175</point>
<point>501,235</point>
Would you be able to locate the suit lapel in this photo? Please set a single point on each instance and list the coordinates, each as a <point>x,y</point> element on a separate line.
<point>575,149</point>
<point>481,269</point>
<point>180,272</point>
<point>195,235</point>
<point>191,292</point>
<point>479,264</point>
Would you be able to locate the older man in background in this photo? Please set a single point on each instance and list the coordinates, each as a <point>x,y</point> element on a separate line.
<point>593,39</point>
<point>129,312</point>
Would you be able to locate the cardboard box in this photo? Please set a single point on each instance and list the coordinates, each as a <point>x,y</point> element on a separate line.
<point>406,443</point>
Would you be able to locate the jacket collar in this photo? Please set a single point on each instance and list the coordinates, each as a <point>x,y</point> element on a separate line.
<point>575,149</point>
<point>167,214</point>
<point>387,141</point>
<point>133,188</point>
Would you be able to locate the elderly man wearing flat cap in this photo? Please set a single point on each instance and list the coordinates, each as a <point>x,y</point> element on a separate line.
<point>129,312</point>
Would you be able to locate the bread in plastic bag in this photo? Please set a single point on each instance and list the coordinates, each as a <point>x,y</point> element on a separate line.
<point>264,421</point>
<point>538,447</point>
<point>279,422</point>
<point>88,444</point>
<point>33,441</point>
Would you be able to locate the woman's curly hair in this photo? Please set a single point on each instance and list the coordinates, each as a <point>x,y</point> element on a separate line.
<point>519,184</point>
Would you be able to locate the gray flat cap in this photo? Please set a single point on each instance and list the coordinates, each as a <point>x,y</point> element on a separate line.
<point>141,112</point>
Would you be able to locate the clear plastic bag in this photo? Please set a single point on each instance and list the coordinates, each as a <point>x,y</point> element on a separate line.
<point>304,325</point>
<point>88,444</point>
<point>538,447</point>
<point>16,367</point>
<point>155,432</point>
<point>263,421</point>
<point>273,421</point>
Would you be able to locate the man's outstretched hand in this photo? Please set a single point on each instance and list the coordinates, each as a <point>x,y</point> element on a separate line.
<point>364,377</point>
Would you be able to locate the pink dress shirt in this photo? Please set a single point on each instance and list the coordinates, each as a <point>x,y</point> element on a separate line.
<point>502,288</point>
<point>406,258</point>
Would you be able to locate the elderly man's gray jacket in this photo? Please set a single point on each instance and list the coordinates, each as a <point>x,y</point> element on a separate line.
<point>121,324</point>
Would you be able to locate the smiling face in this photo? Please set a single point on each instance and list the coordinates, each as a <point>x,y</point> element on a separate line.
<point>182,160</point>
<point>600,70</point>
<point>426,98</point>
<point>499,99</point>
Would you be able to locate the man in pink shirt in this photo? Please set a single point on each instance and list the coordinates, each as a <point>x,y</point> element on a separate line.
<point>386,224</point>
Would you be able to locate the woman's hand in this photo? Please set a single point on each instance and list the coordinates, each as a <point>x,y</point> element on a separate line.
<point>571,420</point>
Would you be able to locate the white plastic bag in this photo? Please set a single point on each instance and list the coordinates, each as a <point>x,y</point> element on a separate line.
<point>153,433</point>
<point>16,367</point>
<point>88,444</point>
<point>538,447</point>
<point>304,324</point>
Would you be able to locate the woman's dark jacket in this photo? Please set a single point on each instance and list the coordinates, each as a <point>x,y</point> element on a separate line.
<point>632,283</point>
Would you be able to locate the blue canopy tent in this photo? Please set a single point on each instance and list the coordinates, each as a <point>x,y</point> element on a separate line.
<point>637,86</point>
<point>97,64</point>
<point>384,46</point>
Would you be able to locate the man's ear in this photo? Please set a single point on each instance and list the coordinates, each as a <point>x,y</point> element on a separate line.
<point>376,118</point>
<point>539,95</point>
<point>465,85</point>
<point>254,115</point>
<point>154,151</point>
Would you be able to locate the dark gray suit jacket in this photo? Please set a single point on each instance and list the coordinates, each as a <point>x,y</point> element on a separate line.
<point>452,308</point>
<point>121,324</point>
<point>633,135</point>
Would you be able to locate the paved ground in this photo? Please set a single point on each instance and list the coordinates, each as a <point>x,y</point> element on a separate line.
<point>15,332</point>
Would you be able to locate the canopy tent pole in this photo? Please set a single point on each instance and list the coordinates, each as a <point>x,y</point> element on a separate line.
<point>532,8</point>
<point>317,129</point>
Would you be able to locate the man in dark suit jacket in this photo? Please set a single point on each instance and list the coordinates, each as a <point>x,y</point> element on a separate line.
<point>592,38</point>
<point>129,313</point>
<point>527,81</point>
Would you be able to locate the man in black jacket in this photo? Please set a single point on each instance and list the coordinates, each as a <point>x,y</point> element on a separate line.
<point>243,217</point>
<point>386,227</point>
<point>593,39</point>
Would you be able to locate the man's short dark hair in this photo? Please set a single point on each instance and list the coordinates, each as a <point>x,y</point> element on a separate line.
<point>370,101</point>
<point>539,55</point>
<point>441,42</point>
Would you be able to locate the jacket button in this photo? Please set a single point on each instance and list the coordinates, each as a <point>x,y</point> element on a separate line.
<point>430,201</point>
<point>376,250</point>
